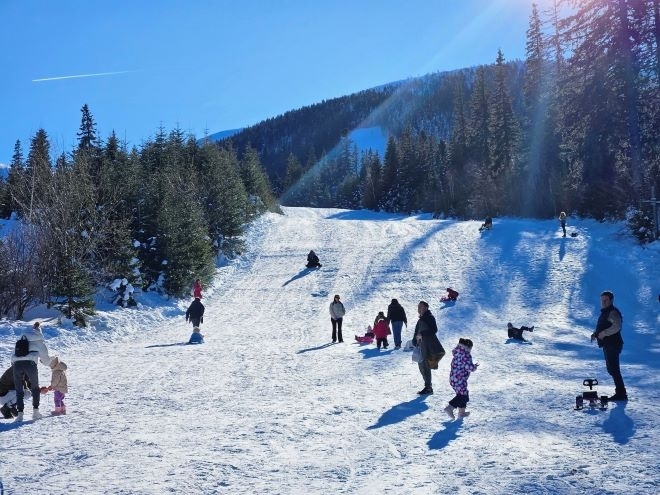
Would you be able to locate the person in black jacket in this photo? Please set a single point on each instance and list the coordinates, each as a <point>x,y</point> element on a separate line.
<point>431,348</point>
<point>313,260</point>
<point>195,313</point>
<point>396,315</point>
<point>608,336</point>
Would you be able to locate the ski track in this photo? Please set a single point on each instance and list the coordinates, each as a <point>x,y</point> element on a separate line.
<point>269,405</point>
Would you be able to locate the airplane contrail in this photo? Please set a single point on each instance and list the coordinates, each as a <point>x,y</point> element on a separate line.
<point>77,76</point>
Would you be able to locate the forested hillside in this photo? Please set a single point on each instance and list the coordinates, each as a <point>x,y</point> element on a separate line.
<point>154,218</point>
<point>572,127</point>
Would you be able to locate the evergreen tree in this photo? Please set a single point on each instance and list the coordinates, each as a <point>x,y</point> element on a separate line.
<point>256,184</point>
<point>38,175</point>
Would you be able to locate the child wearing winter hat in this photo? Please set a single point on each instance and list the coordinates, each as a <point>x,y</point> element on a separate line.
<point>461,367</point>
<point>58,384</point>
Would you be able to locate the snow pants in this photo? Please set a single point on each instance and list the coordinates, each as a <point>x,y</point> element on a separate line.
<point>336,329</point>
<point>26,368</point>
<point>611,354</point>
<point>396,332</point>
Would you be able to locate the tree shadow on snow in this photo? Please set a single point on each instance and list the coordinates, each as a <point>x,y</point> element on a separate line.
<point>400,412</point>
<point>619,424</point>
<point>442,438</point>
<point>317,348</point>
<point>300,274</point>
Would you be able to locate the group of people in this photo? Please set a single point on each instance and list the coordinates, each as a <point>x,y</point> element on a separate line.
<point>429,351</point>
<point>21,379</point>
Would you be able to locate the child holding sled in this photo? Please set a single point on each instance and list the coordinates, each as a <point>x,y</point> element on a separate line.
<point>461,367</point>
<point>381,330</point>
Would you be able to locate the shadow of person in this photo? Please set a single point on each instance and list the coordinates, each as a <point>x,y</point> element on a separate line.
<point>300,274</point>
<point>444,437</point>
<point>562,249</point>
<point>165,345</point>
<point>619,425</point>
<point>400,412</point>
<point>318,347</point>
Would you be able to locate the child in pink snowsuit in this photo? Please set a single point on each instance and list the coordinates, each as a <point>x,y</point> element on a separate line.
<point>197,289</point>
<point>461,367</point>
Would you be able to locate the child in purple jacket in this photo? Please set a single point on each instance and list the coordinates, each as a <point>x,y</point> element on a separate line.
<point>461,367</point>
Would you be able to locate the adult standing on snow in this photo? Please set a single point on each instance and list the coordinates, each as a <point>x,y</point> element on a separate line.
<point>337,312</point>
<point>608,335</point>
<point>26,367</point>
<point>431,348</point>
<point>397,316</point>
<point>562,222</point>
<point>195,313</point>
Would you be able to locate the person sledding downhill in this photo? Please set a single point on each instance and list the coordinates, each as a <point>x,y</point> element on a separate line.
<point>517,333</point>
<point>487,225</point>
<point>367,338</point>
<point>451,295</point>
<point>313,260</point>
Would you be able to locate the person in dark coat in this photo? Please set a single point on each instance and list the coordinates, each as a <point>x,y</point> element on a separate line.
<point>313,260</point>
<point>195,313</point>
<point>488,224</point>
<point>396,315</point>
<point>608,336</point>
<point>517,333</point>
<point>8,409</point>
<point>431,348</point>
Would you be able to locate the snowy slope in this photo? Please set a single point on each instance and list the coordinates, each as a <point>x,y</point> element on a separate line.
<point>268,405</point>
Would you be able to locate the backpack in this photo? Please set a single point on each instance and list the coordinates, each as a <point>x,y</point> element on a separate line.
<point>22,347</point>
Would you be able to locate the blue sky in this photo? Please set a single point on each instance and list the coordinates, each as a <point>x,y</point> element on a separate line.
<point>212,65</point>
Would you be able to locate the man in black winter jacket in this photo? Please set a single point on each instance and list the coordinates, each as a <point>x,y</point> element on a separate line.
<point>195,313</point>
<point>608,335</point>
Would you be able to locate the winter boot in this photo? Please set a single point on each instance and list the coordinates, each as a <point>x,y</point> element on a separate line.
<point>57,410</point>
<point>36,414</point>
<point>462,413</point>
<point>450,411</point>
<point>619,396</point>
<point>63,408</point>
<point>19,417</point>
<point>426,391</point>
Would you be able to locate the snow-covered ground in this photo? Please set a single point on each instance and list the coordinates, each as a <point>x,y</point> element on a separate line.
<point>269,405</point>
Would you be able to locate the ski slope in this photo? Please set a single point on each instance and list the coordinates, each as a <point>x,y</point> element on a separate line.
<point>269,405</point>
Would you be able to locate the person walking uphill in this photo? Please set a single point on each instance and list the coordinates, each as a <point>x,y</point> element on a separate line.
<point>26,366</point>
<point>431,348</point>
<point>608,335</point>
<point>195,313</point>
<point>337,312</point>
<point>397,316</point>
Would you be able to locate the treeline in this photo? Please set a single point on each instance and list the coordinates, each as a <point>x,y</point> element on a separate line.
<point>156,217</point>
<point>573,127</point>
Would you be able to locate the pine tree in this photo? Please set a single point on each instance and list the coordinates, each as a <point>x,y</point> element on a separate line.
<point>38,175</point>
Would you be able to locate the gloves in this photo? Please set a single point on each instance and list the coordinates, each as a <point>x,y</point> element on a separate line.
<point>593,336</point>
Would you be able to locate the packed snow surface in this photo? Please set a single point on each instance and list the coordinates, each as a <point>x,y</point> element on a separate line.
<point>269,405</point>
